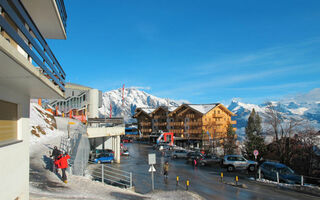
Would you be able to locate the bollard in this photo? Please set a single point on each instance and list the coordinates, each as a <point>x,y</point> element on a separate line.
<point>259,171</point>
<point>237,179</point>
<point>221,176</point>
<point>278,177</point>
<point>302,181</point>
<point>177,180</point>
<point>187,184</point>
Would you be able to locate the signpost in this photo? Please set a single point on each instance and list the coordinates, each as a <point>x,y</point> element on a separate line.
<point>152,161</point>
<point>69,123</point>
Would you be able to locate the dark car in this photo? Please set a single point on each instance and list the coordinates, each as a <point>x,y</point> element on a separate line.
<point>286,175</point>
<point>210,160</point>
<point>179,153</point>
<point>194,155</point>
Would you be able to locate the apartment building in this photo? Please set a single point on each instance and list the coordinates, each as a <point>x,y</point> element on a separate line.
<point>29,70</point>
<point>190,123</point>
<point>81,102</point>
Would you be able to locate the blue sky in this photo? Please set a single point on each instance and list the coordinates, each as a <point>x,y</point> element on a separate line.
<point>200,51</point>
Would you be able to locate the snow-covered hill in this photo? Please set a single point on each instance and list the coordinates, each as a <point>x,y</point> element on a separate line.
<point>133,98</point>
<point>306,106</point>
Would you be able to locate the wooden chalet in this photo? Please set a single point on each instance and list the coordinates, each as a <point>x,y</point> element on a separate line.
<point>143,115</point>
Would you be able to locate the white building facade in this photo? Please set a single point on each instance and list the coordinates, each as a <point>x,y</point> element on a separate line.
<point>28,69</point>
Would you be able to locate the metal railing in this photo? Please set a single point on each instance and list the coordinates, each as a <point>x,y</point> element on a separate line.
<point>111,176</point>
<point>25,33</point>
<point>62,11</point>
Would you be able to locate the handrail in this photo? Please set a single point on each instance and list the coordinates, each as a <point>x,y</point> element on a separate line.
<point>62,11</point>
<point>112,174</point>
<point>50,65</point>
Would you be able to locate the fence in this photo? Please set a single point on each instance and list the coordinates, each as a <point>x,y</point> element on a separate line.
<point>304,180</point>
<point>78,148</point>
<point>110,175</point>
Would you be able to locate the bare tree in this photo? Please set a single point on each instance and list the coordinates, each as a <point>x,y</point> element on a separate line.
<point>282,128</point>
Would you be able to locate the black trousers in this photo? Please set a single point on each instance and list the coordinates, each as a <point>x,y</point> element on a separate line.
<point>64,175</point>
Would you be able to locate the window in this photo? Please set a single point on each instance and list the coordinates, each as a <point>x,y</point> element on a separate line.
<point>8,120</point>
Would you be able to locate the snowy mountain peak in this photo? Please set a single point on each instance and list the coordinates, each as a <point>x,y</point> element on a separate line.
<point>125,104</point>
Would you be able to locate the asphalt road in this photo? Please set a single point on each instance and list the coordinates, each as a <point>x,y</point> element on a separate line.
<point>203,180</point>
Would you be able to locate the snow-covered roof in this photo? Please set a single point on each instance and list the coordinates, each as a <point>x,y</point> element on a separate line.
<point>148,110</point>
<point>172,108</point>
<point>203,108</point>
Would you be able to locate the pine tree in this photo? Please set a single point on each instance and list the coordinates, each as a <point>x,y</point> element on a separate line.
<point>229,144</point>
<point>254,139</point>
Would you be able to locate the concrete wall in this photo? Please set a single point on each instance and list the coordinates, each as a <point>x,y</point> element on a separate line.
<point>93,111</point>
<point>14,158</point>
<point>105,131</point>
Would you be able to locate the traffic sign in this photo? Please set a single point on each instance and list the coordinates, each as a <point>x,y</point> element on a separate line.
<point>152,169</point>
<point>255,153</point>
<point>152,158</point>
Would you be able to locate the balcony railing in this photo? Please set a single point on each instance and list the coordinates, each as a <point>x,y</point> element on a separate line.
<point>25,34</point>
<point>145,123</point>
<point>62,11</point>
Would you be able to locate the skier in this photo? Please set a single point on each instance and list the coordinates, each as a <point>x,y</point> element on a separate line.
<point>166,169</point>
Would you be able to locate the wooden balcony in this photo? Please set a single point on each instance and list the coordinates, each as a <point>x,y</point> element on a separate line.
<point>160,124</point>
<point>194,123</point>
<point>147,130</point>
<point>217,115</point>
<point>176,131</point>
<point>176,123</point>
<point>145,123</point>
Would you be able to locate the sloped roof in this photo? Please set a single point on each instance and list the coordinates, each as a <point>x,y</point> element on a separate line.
<point>203,108</point>
<point>147,110</point>
<point>172,108</point>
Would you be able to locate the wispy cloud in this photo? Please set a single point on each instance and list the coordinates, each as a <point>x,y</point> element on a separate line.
<point>244,71</point>
<point>140,87</point>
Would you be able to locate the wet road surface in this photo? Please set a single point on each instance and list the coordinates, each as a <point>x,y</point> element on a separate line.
<point>203,180</point>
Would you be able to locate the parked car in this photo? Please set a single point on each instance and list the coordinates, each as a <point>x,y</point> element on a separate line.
<point>210,160</point>
<point>194,155</point>
<point>179,153</point>
<point>232,162</point>
<point>126,140</point>
<point>104,158</point>
<point>286,175</point>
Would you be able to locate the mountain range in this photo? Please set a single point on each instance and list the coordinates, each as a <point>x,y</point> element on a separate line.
<point>302,106</point>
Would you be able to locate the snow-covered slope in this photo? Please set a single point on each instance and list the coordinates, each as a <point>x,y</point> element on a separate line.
<point>42,124</point>
<point>306,106</point>
<point>133,98</point>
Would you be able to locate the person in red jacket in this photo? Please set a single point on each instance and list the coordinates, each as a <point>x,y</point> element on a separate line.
<point>63,164</point>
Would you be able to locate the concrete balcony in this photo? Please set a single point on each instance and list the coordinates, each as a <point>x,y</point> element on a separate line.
<point>49,15</point>
<point>28,65</point>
